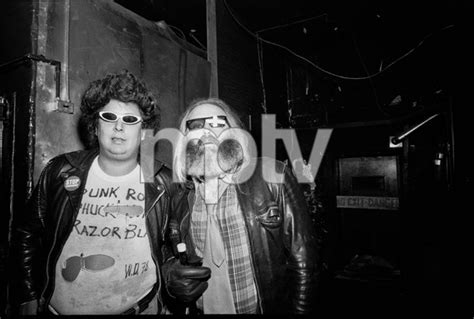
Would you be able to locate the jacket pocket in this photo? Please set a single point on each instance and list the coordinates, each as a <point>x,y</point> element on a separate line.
<point>270,216</point>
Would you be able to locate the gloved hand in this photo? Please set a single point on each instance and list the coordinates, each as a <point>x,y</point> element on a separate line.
<point>185,282</point>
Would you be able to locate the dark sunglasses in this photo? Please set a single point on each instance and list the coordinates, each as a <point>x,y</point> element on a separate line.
<point>213,121</point>
<point>73,265</point>
<point>112,117</point>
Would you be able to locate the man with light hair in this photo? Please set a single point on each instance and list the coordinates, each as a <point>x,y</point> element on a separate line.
<point>249,224</point>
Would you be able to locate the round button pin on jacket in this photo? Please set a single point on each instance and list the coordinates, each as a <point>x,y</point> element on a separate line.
<point>72,183</point>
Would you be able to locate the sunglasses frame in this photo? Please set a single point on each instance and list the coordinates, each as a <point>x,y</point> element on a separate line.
<point>119,117</point>
<point>222,117</point>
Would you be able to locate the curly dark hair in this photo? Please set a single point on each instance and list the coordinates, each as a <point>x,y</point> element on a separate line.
<point>124,87</point>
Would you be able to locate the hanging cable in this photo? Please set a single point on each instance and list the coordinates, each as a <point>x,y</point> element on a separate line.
<point>178,31</point>
<point>377,103</point>
<point>260,68</point>
<point>292,23</point>
<point>322,69</point>
<point>202,46</point>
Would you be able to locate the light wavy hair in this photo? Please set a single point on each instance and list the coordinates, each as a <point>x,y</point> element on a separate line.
<point>179,158</point>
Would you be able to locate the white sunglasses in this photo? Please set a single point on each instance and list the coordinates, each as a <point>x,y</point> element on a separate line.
<point>112,117</point>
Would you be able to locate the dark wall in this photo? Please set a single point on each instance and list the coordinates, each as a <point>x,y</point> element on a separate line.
<point>15,87</point>
<point>459,239</point>
<point>237,65</point>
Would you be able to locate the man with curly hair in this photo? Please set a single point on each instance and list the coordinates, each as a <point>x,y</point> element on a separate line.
<point>91,240</point>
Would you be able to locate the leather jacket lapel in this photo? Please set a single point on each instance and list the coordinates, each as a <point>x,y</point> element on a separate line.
<point>153,192</point>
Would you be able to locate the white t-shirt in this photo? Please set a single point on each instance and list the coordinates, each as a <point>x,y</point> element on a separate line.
<point>105,266</point>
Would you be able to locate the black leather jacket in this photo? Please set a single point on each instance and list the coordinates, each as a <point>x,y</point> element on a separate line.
<point>40,232</point>
<point>282,240</point>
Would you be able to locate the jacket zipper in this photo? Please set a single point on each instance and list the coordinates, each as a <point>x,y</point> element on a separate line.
<point>257,288</point>
<point>153,205</point>
<point>153,255</point>
<point>42,298</point>
<point>157,265</point>
<point>182,222</point>
<point>187,213</point>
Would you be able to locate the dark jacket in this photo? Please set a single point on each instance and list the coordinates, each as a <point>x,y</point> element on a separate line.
<point>40,232</point>
<point>283,242</point>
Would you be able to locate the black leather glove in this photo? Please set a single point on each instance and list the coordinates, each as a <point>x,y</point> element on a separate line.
<point>185,282</point>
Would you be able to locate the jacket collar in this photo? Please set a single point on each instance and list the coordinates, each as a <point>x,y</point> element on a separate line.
<point>82,159</point>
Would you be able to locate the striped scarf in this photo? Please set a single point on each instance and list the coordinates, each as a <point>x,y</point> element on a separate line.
<point>236,245</point>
